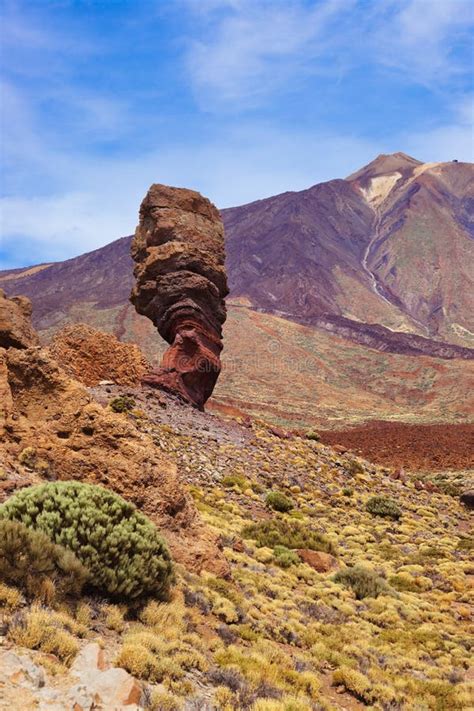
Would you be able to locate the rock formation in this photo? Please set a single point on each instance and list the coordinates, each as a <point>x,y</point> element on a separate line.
<point>16,330</point>
<point>180,285</point>
<point>52,428</point>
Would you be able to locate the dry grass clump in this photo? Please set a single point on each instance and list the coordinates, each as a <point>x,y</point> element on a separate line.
<point>114,616</point>
<point>160,649</point>
<point>162,701</point>
<point>10,597</point>
<point>266,665</point>
<point>45,631</point>
<point>355,682</point>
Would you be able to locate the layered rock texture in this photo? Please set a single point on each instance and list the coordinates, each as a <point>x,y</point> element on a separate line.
<point>181,285</point>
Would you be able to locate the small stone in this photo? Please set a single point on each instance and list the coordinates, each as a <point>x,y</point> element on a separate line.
<point>238,546</point>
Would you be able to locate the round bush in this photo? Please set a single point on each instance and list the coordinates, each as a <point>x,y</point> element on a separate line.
<point>278,501</point>
<point>119,546</point>
<point>383,506</point>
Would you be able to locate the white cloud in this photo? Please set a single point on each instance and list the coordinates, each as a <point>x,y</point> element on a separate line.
<point>241,164</point>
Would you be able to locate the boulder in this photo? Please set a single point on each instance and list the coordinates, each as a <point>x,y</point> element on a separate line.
<point>181,284</point>
<point>320,561</point>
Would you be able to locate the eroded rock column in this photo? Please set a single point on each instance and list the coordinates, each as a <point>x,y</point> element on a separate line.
<point>181,285</point>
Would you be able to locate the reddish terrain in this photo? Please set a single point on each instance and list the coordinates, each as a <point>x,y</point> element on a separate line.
<point>414,447</point>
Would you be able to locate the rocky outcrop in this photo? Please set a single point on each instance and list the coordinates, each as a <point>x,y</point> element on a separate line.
<point>180,285</point>
<point>52,428</point>
<point>91,356</point>
<point>16,330</point>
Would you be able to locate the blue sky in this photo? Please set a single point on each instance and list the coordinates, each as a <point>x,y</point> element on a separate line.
<point>239,99</point>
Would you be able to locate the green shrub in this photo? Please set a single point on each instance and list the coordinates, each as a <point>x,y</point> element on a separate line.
<point>237,481</point>
<point>348,491</point>
<point>383,506</point>
<point>123,403</point>
<point>278,501</point>
<point>40,568</point>
<point>119,546</point>
<point>311,434</point>
<point>284,557</point>
<point>364,582</point>
<point>291,534</point>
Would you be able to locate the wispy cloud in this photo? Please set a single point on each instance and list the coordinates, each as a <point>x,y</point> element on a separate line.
<point>420,38</point>
<point>249,49</point>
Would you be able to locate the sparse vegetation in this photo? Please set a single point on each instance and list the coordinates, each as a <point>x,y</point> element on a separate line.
<point>120,548</point>
<point>268,637</point>
<point>45,631</point>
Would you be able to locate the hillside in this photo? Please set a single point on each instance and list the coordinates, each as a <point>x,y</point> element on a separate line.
<point>278,632</point>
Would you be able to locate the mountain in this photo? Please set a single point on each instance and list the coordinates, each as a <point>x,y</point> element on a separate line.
<point>382,258</point>
<point>392,245</point>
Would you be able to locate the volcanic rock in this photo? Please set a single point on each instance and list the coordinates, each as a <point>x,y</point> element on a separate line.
<point>320,561</point>
<point>68,435</point>
<point>16,330</point>
<point>467,498</point>
<point>92,356</point>
<point>181,285</point>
